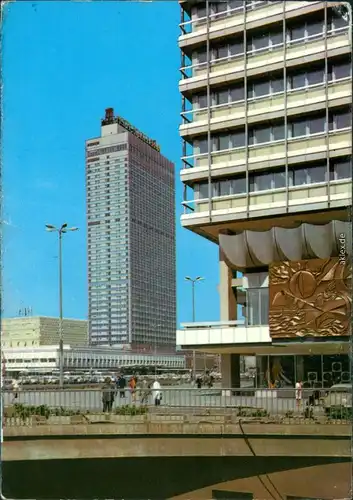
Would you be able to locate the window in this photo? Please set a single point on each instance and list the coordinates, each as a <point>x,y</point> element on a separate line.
<point>315,77</point>
<point>317,125</point>
<point>236,48</point>
<point>221,52</point>
<point>224,188</point>
<point>310,28</point>
<point>253,307</point>
<point>297,32</point>
<point>200,101</point>
<point>279,179</point>
<point>237,140</point>
<point>338,20</point>
<point>260,135</point>
<point>223,142</point>
<point>317,174</point>
<point>238,186</point>
<point>261,182</point>
<point>276,38</point>
<point>339,70</point>
<point>298,177</point>
<point>237,93</point>
<point>201,57</point>
<point>200,146</point>
<point>278,132</point>
<point>341,170</point>
<point>234,4</point>
<point>277,85</point>
<point>260,89</point>
<point>222,97</point>
<point>340,119</point>
<point>203,190</point>
<point>297,128</point>
<point>201,11</point>
<point>314,28</point>
<point>260,41</point>
<point>264,306</point>
<point>297,81</point>
<point>215,189</point>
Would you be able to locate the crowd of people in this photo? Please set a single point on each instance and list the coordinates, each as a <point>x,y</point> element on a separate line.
<point>117,389</point>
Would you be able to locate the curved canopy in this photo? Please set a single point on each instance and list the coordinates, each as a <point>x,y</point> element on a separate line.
<point>308,241</point>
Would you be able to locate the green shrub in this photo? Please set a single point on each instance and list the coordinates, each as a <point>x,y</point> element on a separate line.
<point>340,413</point>
<point>252,412</point>
<point>25,411</point>
<point>131,410</point>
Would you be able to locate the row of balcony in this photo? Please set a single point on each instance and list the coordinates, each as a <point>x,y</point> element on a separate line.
<point>298,198</point>
<point>294,102</point>
<point>233,20</point>
<point>313,147</point>
<point>263,60</point>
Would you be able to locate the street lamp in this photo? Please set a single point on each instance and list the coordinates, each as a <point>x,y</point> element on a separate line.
<point>155,349</point>
<point>193,281</point>
<point>60,230</point>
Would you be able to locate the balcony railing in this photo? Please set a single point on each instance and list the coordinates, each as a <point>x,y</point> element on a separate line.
<point>303,145</point>
<point>223,113</point>
<point>216,18</point>
<point>212,324</point>
<point>270,199</point>
<point>255,57</point>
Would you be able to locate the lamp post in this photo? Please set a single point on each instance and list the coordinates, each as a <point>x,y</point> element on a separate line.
<point>155,349</point>
<point>60,230</point>
<point>193,282</point>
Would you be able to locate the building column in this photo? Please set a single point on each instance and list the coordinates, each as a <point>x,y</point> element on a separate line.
<point>230,371</point>
<point>228,302</point>
<point>230,363</point>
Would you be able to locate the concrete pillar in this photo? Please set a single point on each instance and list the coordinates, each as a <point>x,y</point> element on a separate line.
<point>228,302</point>
<point>230,370</point>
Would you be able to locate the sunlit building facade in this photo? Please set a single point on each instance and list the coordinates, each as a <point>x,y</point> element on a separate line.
<point>266,129</point>
<point>131,239</point>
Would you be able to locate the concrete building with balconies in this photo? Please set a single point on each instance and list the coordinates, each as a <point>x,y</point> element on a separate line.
<point>267,140</point>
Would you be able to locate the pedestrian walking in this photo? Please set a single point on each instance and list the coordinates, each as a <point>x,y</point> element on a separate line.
<point>15,390</point>
<point>108,395</point>
<point>121,384</point>
<point>156,393</point>
<point>132,386</point>
<point>145,392</point>
<point>298,394</point>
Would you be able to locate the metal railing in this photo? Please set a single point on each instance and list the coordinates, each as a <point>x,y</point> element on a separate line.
<point>193,69</point>
<point>58,406</point>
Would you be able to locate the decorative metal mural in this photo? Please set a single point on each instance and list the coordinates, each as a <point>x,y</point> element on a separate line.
<point>310,298</point>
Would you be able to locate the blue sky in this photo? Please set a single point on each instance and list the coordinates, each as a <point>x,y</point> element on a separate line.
<point>63,64</point>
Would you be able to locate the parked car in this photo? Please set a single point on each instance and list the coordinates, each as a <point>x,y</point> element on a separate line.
<point>338,396</point>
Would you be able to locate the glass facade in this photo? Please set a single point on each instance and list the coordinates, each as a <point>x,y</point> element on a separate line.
<point>316,371</point>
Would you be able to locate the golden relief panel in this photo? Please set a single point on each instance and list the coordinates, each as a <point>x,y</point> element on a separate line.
<point>310,298</point>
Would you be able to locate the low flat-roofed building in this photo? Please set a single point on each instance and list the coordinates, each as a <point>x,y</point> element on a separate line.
<point>35,331</point>
<point>44,359</point>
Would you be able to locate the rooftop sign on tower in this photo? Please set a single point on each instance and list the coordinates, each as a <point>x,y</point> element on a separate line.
<point>110,119</point>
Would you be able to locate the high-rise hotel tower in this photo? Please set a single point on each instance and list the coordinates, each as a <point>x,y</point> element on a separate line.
<point>267,131</point>
<point>131,239</point>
